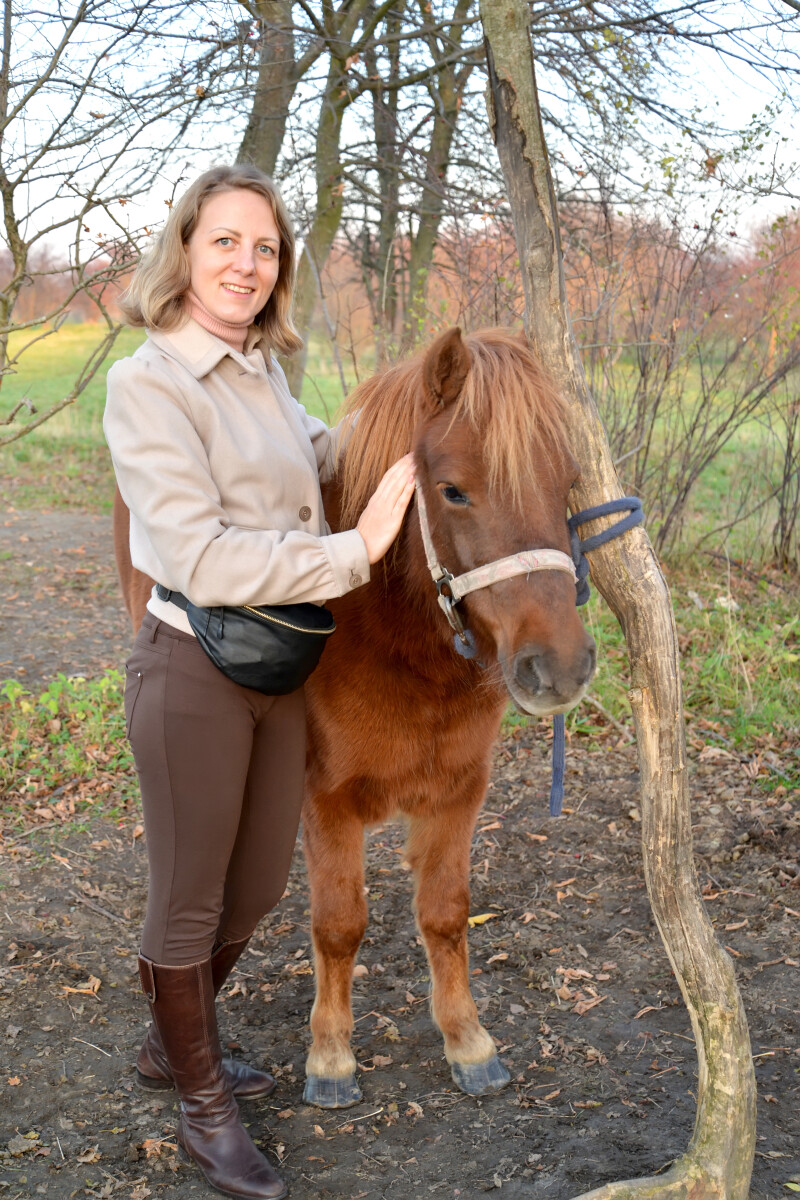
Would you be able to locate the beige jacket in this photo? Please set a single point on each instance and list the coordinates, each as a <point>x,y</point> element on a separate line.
<point>220,468</point>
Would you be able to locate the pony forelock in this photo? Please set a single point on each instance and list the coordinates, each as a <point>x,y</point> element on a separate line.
<point>507,399</point>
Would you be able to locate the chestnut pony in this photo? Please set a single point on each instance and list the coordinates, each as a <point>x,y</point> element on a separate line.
<point>399,722</point>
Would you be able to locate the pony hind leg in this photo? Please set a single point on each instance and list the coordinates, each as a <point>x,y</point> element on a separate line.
<point>438,850</point>
<point>333,841</point>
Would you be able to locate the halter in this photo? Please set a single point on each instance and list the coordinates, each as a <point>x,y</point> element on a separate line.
<point>452,588</point>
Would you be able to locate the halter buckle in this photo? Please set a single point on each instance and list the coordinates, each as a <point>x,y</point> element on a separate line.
<point>448,604</point>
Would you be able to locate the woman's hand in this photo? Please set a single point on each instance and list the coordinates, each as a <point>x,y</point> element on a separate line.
<point>380,522</point>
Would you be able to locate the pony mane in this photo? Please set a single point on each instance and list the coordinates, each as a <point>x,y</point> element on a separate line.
<point>507,399</point>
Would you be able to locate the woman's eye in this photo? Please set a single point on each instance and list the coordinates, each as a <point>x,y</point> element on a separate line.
<point>267,251</point>
<point>224,241</point>
<point>452,494</point>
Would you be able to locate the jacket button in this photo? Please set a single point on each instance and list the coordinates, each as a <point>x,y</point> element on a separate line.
<point>355,580</point>
<point>305,513</point>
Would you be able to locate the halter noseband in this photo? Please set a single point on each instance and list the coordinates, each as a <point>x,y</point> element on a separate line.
<point>452,588</point>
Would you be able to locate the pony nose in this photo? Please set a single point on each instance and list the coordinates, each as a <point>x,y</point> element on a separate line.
<point>540,671</point>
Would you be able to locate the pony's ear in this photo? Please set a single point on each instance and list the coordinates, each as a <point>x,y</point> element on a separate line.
<point>445,367</point>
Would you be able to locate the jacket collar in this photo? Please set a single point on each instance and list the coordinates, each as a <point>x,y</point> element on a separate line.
<point>200,352</point>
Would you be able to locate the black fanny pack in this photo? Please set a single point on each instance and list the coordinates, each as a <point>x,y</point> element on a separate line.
<point>272,648</point>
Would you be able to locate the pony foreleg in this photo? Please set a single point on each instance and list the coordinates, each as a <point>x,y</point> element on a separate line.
<point>333,842</point>
<point>438,850</point>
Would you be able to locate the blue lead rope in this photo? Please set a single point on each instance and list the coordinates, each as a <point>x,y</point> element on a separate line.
<point>633,507</point>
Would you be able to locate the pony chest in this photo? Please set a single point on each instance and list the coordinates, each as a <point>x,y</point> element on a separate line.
<point>398,739</point>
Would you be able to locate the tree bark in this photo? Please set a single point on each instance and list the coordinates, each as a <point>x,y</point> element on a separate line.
<point>718,1162</point>
<point>277,79</point>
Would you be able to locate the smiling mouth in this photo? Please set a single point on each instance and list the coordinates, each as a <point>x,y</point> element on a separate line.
<point>239,291</point>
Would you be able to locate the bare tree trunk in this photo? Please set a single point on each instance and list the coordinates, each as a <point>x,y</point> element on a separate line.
<point>278,76</point>
<point>327,215</point>
<point>447,91</point>
<point>718,1162</point>
<point>385,103</point>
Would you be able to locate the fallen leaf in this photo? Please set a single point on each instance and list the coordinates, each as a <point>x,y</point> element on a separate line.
<point>494,825</point>
<point>382,1060</point>
<point>22,1143</point>
<point>501,957</point>
<point>583,1006</point>
<point>285,1113</point>
<point>480,919</point>
<point>360,971</point>
<point>14,1081</point>
<point>319,1131</point>
<point>537,837</point>
<point>414,1109</point>
<point>89,1155</point>
<point>737,925</point>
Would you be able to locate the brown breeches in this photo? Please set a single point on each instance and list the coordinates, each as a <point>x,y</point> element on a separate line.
<point>221,774</point>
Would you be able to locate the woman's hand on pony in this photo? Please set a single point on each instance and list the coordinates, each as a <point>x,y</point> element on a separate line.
<point>380,522</point>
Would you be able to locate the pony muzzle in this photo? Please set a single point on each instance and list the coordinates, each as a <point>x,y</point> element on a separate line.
<point>540,682</point>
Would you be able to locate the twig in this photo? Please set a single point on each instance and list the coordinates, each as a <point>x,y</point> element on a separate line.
<point>366,1117</point>
<point>85,1043</point>
<point>746,570</point>
<point>104,912</point>
<point>590,700</point>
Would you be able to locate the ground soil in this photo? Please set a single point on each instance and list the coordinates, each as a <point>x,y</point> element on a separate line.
<point>569,973</point>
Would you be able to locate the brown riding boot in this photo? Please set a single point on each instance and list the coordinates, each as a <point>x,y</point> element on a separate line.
<point>152,1068</point>
<point>209,1129</point>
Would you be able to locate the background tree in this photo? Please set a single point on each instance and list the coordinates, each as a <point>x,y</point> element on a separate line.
<point>718,1162</point>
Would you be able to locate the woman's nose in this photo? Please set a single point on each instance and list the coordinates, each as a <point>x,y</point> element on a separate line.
<point>244,262</point>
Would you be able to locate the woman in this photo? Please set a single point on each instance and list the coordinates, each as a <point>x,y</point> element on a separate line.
<point>221,471</point>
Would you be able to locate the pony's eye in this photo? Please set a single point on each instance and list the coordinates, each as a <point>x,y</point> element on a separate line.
<point>452,494</point>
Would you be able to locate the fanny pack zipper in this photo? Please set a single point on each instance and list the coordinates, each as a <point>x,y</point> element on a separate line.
<point>287,624</point>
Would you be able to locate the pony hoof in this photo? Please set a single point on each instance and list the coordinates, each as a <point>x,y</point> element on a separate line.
<point>331,1093</point>
<point>478,1078</point>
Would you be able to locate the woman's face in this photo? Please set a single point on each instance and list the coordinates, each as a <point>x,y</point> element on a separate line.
<point>233,255</point>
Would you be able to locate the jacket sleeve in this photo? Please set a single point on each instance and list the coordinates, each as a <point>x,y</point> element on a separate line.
<point>164,476</point>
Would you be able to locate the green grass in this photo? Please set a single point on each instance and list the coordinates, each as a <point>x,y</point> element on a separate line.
<point>63,752</point>
<point>741,669</point>
<point>64,464</point>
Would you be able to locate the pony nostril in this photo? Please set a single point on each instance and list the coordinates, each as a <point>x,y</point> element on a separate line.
<point>591,663</point>
<point>532,673</point>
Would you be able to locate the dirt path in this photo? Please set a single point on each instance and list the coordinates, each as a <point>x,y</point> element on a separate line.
<point>60,608</point>
<point>568,973</point>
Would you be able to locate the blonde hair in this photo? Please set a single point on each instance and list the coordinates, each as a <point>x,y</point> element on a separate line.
<point>154,297</point>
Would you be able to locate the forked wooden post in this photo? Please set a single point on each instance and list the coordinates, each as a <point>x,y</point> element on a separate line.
<point>719,1160</point>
